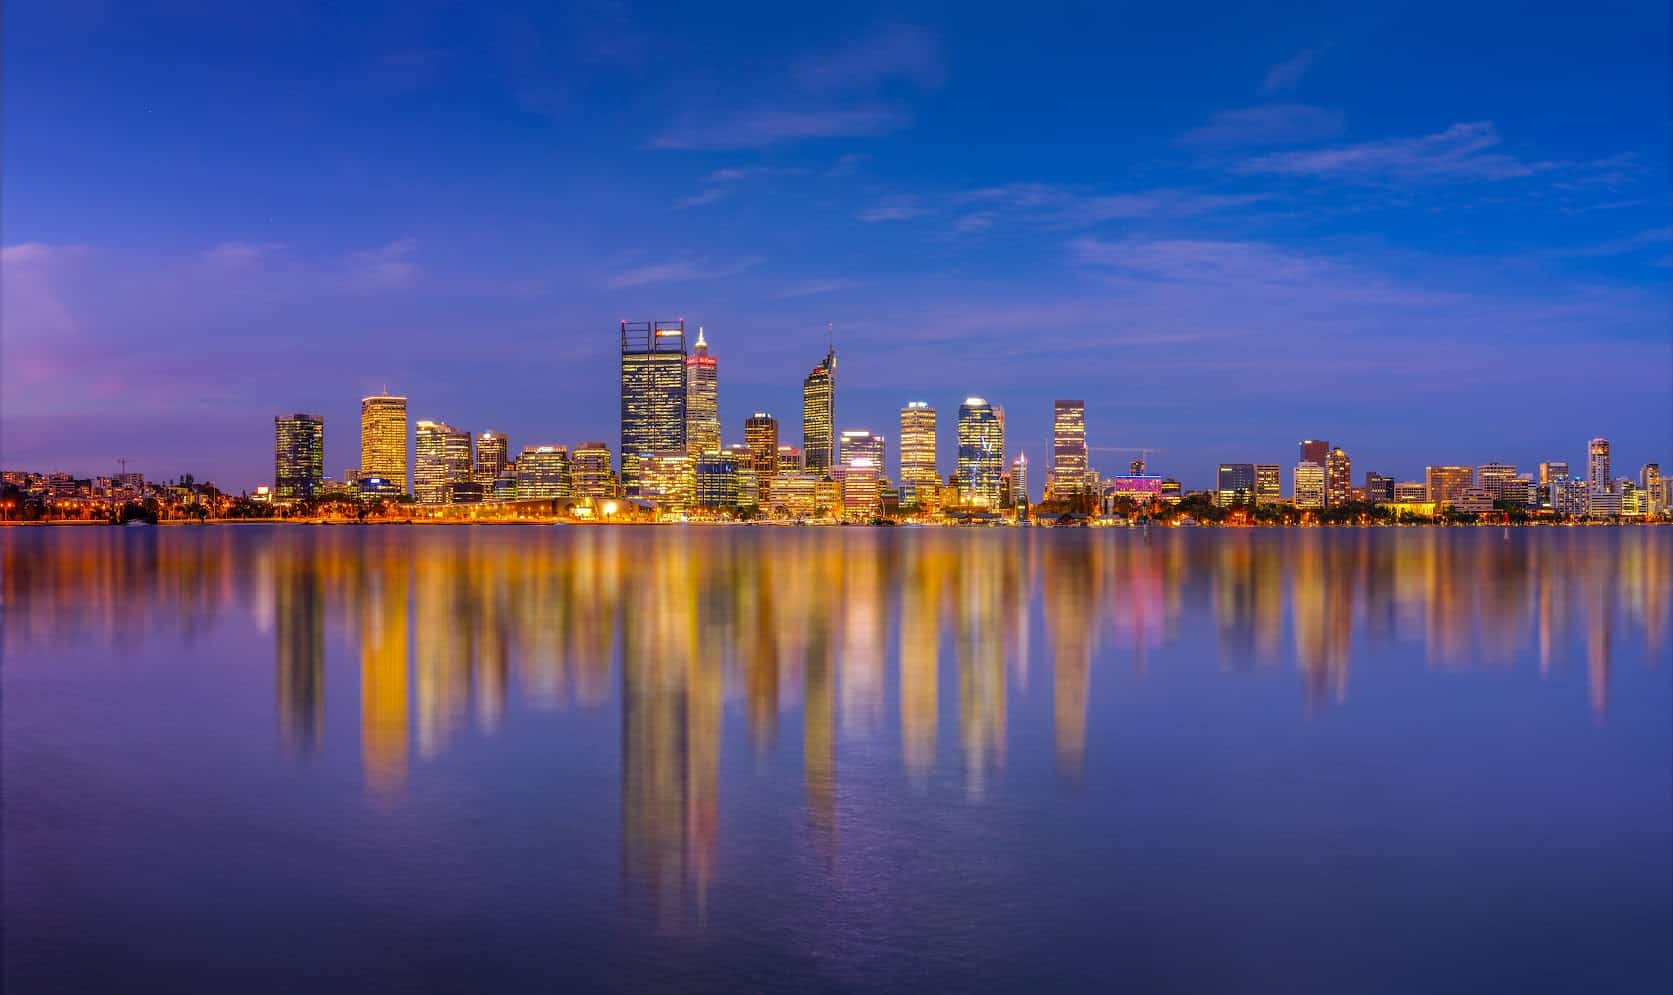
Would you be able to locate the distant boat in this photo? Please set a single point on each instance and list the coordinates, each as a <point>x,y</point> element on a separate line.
<point>131,523</point>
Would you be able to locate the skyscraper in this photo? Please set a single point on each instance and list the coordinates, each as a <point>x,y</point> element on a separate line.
<point>383,438</point>
<point>702,399</point>
<point>543,472</point>
<point>653,393</point>
<point>1309,485</point>
<point>1019,481</point>
<point>442,459</point>
<point>1499,480</point>
<point>1234,484</point>
<point>1314,451</point>
<point>298,456</point>
<point>1378,488</point>
<point>819,415</point>
<point>589,472</point>
<point>1269,485</point>
<point>1446,483</point>
<point>858,443</point>
<point>981,452</point>
<point>1654,487</point>
<point>1597,466</point>
<point>761,436</point>
<point>1338,477</point>
<point>918,475</point>
<point>1552,470</point>
<point>1069,469</point>
<point>491,449</point>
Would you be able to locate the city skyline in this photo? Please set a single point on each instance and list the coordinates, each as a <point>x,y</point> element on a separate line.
<point>1257,242</point>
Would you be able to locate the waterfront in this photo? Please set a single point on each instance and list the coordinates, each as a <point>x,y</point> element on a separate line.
<point>260,758</point>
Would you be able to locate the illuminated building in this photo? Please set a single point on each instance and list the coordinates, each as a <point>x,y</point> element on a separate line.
<point>1141,487</point>
<point>819,415</point>
<point>1597,466</point>
<point>544,473</point>
<point>702,399</point>
<point>1308,485</point>
<point>749,481</point>
<point>1445,483</point>
<point>794,494</point>
<point>491,451</point>
<point>717,481</point>
<point>668,479</point>
<point>1655,489</point>
<point>1269,483</point>
<point>1315,451</point>
<point>860,494</point>
<point>1338,477</point>
<point>1019,481</point>
<point>1378,488</point>
<point>298,456</point>
<point>919,478</point>
<point>790,460</point>
<point>1234,483</point>
<point>441,459</point>
<point>383,438</point>
<point>1411,491</point>
<point>1474,500</point>
<point>1499,480</point>
<point>761,436</point>
<point>653,394</point>
<point>589,472</point>
<point>1171,491</point>
<point>856,444</point>
<point>1603,504</point>
<point>1070,472</point>
<point>981,452</point>
<point>1552,470</point>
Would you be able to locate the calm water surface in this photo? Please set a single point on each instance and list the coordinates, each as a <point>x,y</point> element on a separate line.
<point>508,758</point>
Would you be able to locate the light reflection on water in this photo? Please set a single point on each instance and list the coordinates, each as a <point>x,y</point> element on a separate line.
<point>919,647</point>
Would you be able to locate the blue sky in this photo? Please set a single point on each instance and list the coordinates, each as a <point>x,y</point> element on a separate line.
<point>1430,233</point>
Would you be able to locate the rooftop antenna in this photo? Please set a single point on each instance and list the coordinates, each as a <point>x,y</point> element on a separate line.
<point>830,338</point>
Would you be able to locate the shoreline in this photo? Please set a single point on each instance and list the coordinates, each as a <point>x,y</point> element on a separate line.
<point>582,523</point>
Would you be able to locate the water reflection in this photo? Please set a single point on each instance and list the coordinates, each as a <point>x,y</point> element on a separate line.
<point>455,628</point>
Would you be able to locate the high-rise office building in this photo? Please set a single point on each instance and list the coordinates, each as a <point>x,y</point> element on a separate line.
<point>1552,470</point>
<point>653,393</point>
<point>441,460</point>
<point>702,399</point>
<point>857,443</point>
<point>669,480</point>
<point>1597,466</point>
<point>749,482</point>
<point>1315,451</point>
<point>298,456</point>
<point>1070,469</point>
<point>491,457</point>
<point>1445,484</point>
<point>761,436</point>
<point>1499,480</point>
<point>1019,481</point>
<point>919,478</point>
<point>544,473</point>
<point>1338,477</point>
<point>383,438</point>
<point>1654,488</point>
<point>1378,488</point>
<point>981,452</point>
<point>717,481</point>
<point>1234,483</point>
<point>1269,483</point>
<point>789,459</point>
<point>1309,485</point>
<point>589,472</point>
<point>819,415</point>
<point>861,493</point>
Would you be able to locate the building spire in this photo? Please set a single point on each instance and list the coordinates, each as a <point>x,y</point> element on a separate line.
<point>701,343</point>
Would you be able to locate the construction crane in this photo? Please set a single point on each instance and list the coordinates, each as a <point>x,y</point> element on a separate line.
<point>1137,466</point>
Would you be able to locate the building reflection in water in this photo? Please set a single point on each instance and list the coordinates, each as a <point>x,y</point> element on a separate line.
<point>458,630</point>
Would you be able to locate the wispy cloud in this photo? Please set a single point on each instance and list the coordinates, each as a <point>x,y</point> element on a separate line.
<point>710,196</point>
<point>891,52</point>
<point>1461,152</point>
<point>1055,206</point>
<point>1287,74</point>
<point>894,209</point>
<point>1270,124</point>
<point>677,271</point>
<point>810,287</point>
<point>388,267</point>
<point>240,257</point>
<point>764,126</point>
